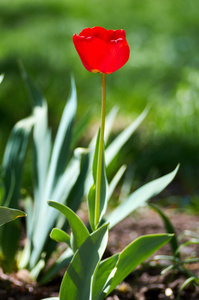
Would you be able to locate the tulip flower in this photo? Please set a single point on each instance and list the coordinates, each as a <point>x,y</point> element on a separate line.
<point>101,50</point>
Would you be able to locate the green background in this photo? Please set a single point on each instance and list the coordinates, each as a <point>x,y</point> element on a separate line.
<point>162,72</point>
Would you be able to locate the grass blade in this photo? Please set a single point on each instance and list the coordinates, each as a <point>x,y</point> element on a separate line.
<point>169,229</point>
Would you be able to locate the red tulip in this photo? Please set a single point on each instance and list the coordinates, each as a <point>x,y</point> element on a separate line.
<point>102,50</point>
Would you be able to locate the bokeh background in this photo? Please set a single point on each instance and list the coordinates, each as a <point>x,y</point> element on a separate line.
<point>162,72</point>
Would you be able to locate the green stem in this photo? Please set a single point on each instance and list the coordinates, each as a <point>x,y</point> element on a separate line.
<point>100,153</point>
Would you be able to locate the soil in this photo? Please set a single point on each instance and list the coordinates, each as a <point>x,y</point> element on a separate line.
<point>145,283</point>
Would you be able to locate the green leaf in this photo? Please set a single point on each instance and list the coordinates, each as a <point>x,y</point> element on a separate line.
<point>7,239</point>
<point>169,228</point>
<point>41,150</point>
<point>58,265</point>
<point>1,78</point>
<point>59,180</point>
<point>79,230</point>
<point>80,128</point>
<point>185,244</point>
<point>13,162</point>
<point>47,216</point>
<point>28,207</point>
<point>115,181</point>
<point>135,253</point>
<point>123,137</point>
<point>110,118</point>
<point>91,196</point>
<point>77,193</point>
<point>60,236</point>
<point>24,257</point>
<point>51,298</point>
<point>62,142</point>
<point>139,198</point>
<point>41,157</point>
<point>77,281</point>
<point>37,268</point>
<point>108,126</point>
<point>9,214</point>
<point>91,206</point>
<point>185,283</point>
<point>104,275</point>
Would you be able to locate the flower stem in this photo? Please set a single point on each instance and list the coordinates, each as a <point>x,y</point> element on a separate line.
<point>100,153</point>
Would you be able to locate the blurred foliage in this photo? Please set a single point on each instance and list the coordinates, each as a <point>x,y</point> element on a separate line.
<point>162,71</point>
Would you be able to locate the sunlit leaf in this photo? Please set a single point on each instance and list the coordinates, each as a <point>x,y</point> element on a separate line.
<point>1,78</point>
<point>59,264</point>
<point>59,173</point>
<point>122,138</point>
<point>60,236</point>
<point>104,274</point>
<point>139,197</point>
<point>79,230</point>
<point>103,187</point>
<point>134,254</point>
<point>77,281</point>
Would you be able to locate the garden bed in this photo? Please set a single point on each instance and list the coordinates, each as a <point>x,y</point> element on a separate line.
<point>145,283</point>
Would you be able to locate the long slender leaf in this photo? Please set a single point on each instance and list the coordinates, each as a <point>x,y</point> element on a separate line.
<point>80,128</point>
<point>108,126</point>
<point>59,181</point>
<point>135,253</point>
<point>62,142</point>
<point>123,137</point>
<point>185,283</point>
<point>169,229</point>
<point>13,162</point>
<point>24,258</point>
<point>91,206</point>
<point>104,275</point>
<point>115,181</point>
<point>42,146</point>
<point>59,264</point>
<point>77,192</point>
<point>185,244</point>
<point>139,197</point>
<point>104,184</point>
<point>47,215</point>
<point>77,281</point>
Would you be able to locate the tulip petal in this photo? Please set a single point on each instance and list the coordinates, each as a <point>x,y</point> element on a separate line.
<point>116,34</point>
<point>118,55</point>
<point>91,50</point>
<point>98,32</point>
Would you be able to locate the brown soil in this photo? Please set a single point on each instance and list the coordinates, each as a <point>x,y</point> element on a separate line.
<point>145,283</point>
